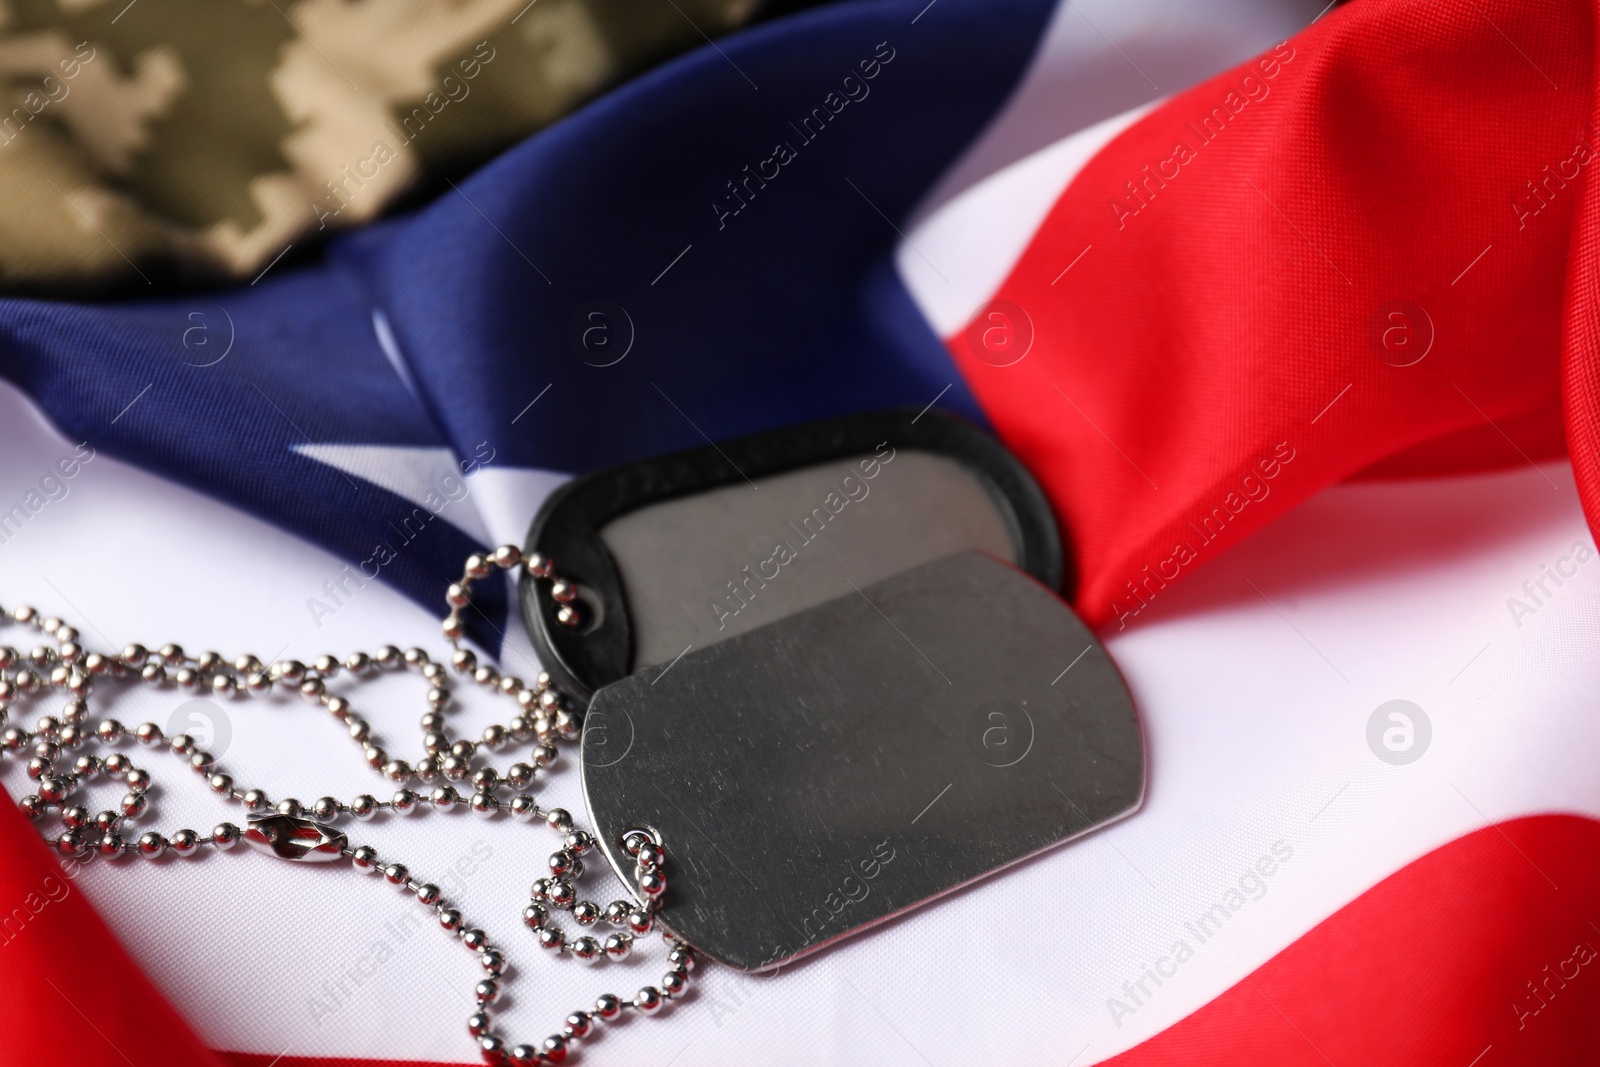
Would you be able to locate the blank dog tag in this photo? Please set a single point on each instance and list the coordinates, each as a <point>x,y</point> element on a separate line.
<point>828,770</point>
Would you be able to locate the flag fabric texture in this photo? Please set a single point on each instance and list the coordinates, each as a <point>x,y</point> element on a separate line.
<point>1366,249</point>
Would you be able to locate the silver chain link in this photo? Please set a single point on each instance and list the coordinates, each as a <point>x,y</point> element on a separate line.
<point>543,720</point>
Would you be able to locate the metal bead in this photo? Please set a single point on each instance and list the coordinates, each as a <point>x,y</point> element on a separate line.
<point>106,820</point>
<point>290,670</point>
<point>326,809</point>
<point>256,800</point>
<point>396,874</point>
<point>540,889</point>
<point>75,817</point>
<point>427,768</point>
<point>585,948</point>
<point>681,959</point>
<point>291,807</point>
<point>648,1000</point>
<point>389,657</point>
<point>463,749</point>
<point>313,688</point>
<point>524,1055</point>
<point>567,726</point>
<point>135,777</point>
<point>32,806</point>
<point>486,991</point>
<point>404,801</point>
<point>485,805</point>
<point>540,565</point>
<point>617,911</point>
<point>649,857</point>
<point>449,918</point>
<point>486,676</point>
<point>133,805</point>
<point>562,862</point>
<point>569,616</point>
<point>338,707</point>
<point>152,844</point>
<point>493,961</point>
<point>634,840</point>
<point>457,595</point>
<point>544,756</point>
<point>110,843</point>
<point>640,921</point>
<point>608,1006</point>
<point>358,663</point>
<point>134,655</point>
<point>477,566</point>
<point>154,673</point>
<point>221,783</point>
<point>397,770</point>
<point>202,761</point>
<point>618,946</point>
<point>54,790</point>
<point>365,858</point>
<point>524,807</point>
<point>374,756</point>
<point>579,1024</point>
<point>327,666</point>
<point>506,556</point>
<point>455,768</point>
<point>485,778</point>
<point>358,728</point>
<point>558,819</point>
<point>561,894</point>
<point>429,894</point>
<point>535,915</point>
<point>492,1047</point>
<point>586,913</point>
<point>416,657</point>
<point>478,1023</point>
<point>436,674</point>
<point>495,736</point>
<point>551,938</point>
<point>463,661</point>
<point>475,939</point>
<point>555,1048</point>
<point>434,741</point>
<point>518,775</point>
<point>364,806</point>
<point>445,797</point>
<point>652,883</point>
<point>577,842</point>
<point>225,835</point>
<point>185,843</point>
<point>673,983</point>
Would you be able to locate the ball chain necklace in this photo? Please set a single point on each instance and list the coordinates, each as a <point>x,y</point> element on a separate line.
<point>293,831</point>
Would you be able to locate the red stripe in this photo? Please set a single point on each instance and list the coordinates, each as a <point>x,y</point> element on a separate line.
<point>1261,251</point>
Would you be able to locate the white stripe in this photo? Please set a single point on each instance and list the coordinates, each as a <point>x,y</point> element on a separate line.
<point>1089,79</point>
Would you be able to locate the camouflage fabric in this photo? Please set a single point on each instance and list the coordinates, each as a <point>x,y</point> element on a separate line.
<point>210,135</point>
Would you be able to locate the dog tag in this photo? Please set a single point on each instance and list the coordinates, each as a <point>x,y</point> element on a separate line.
<point>828,770</point>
